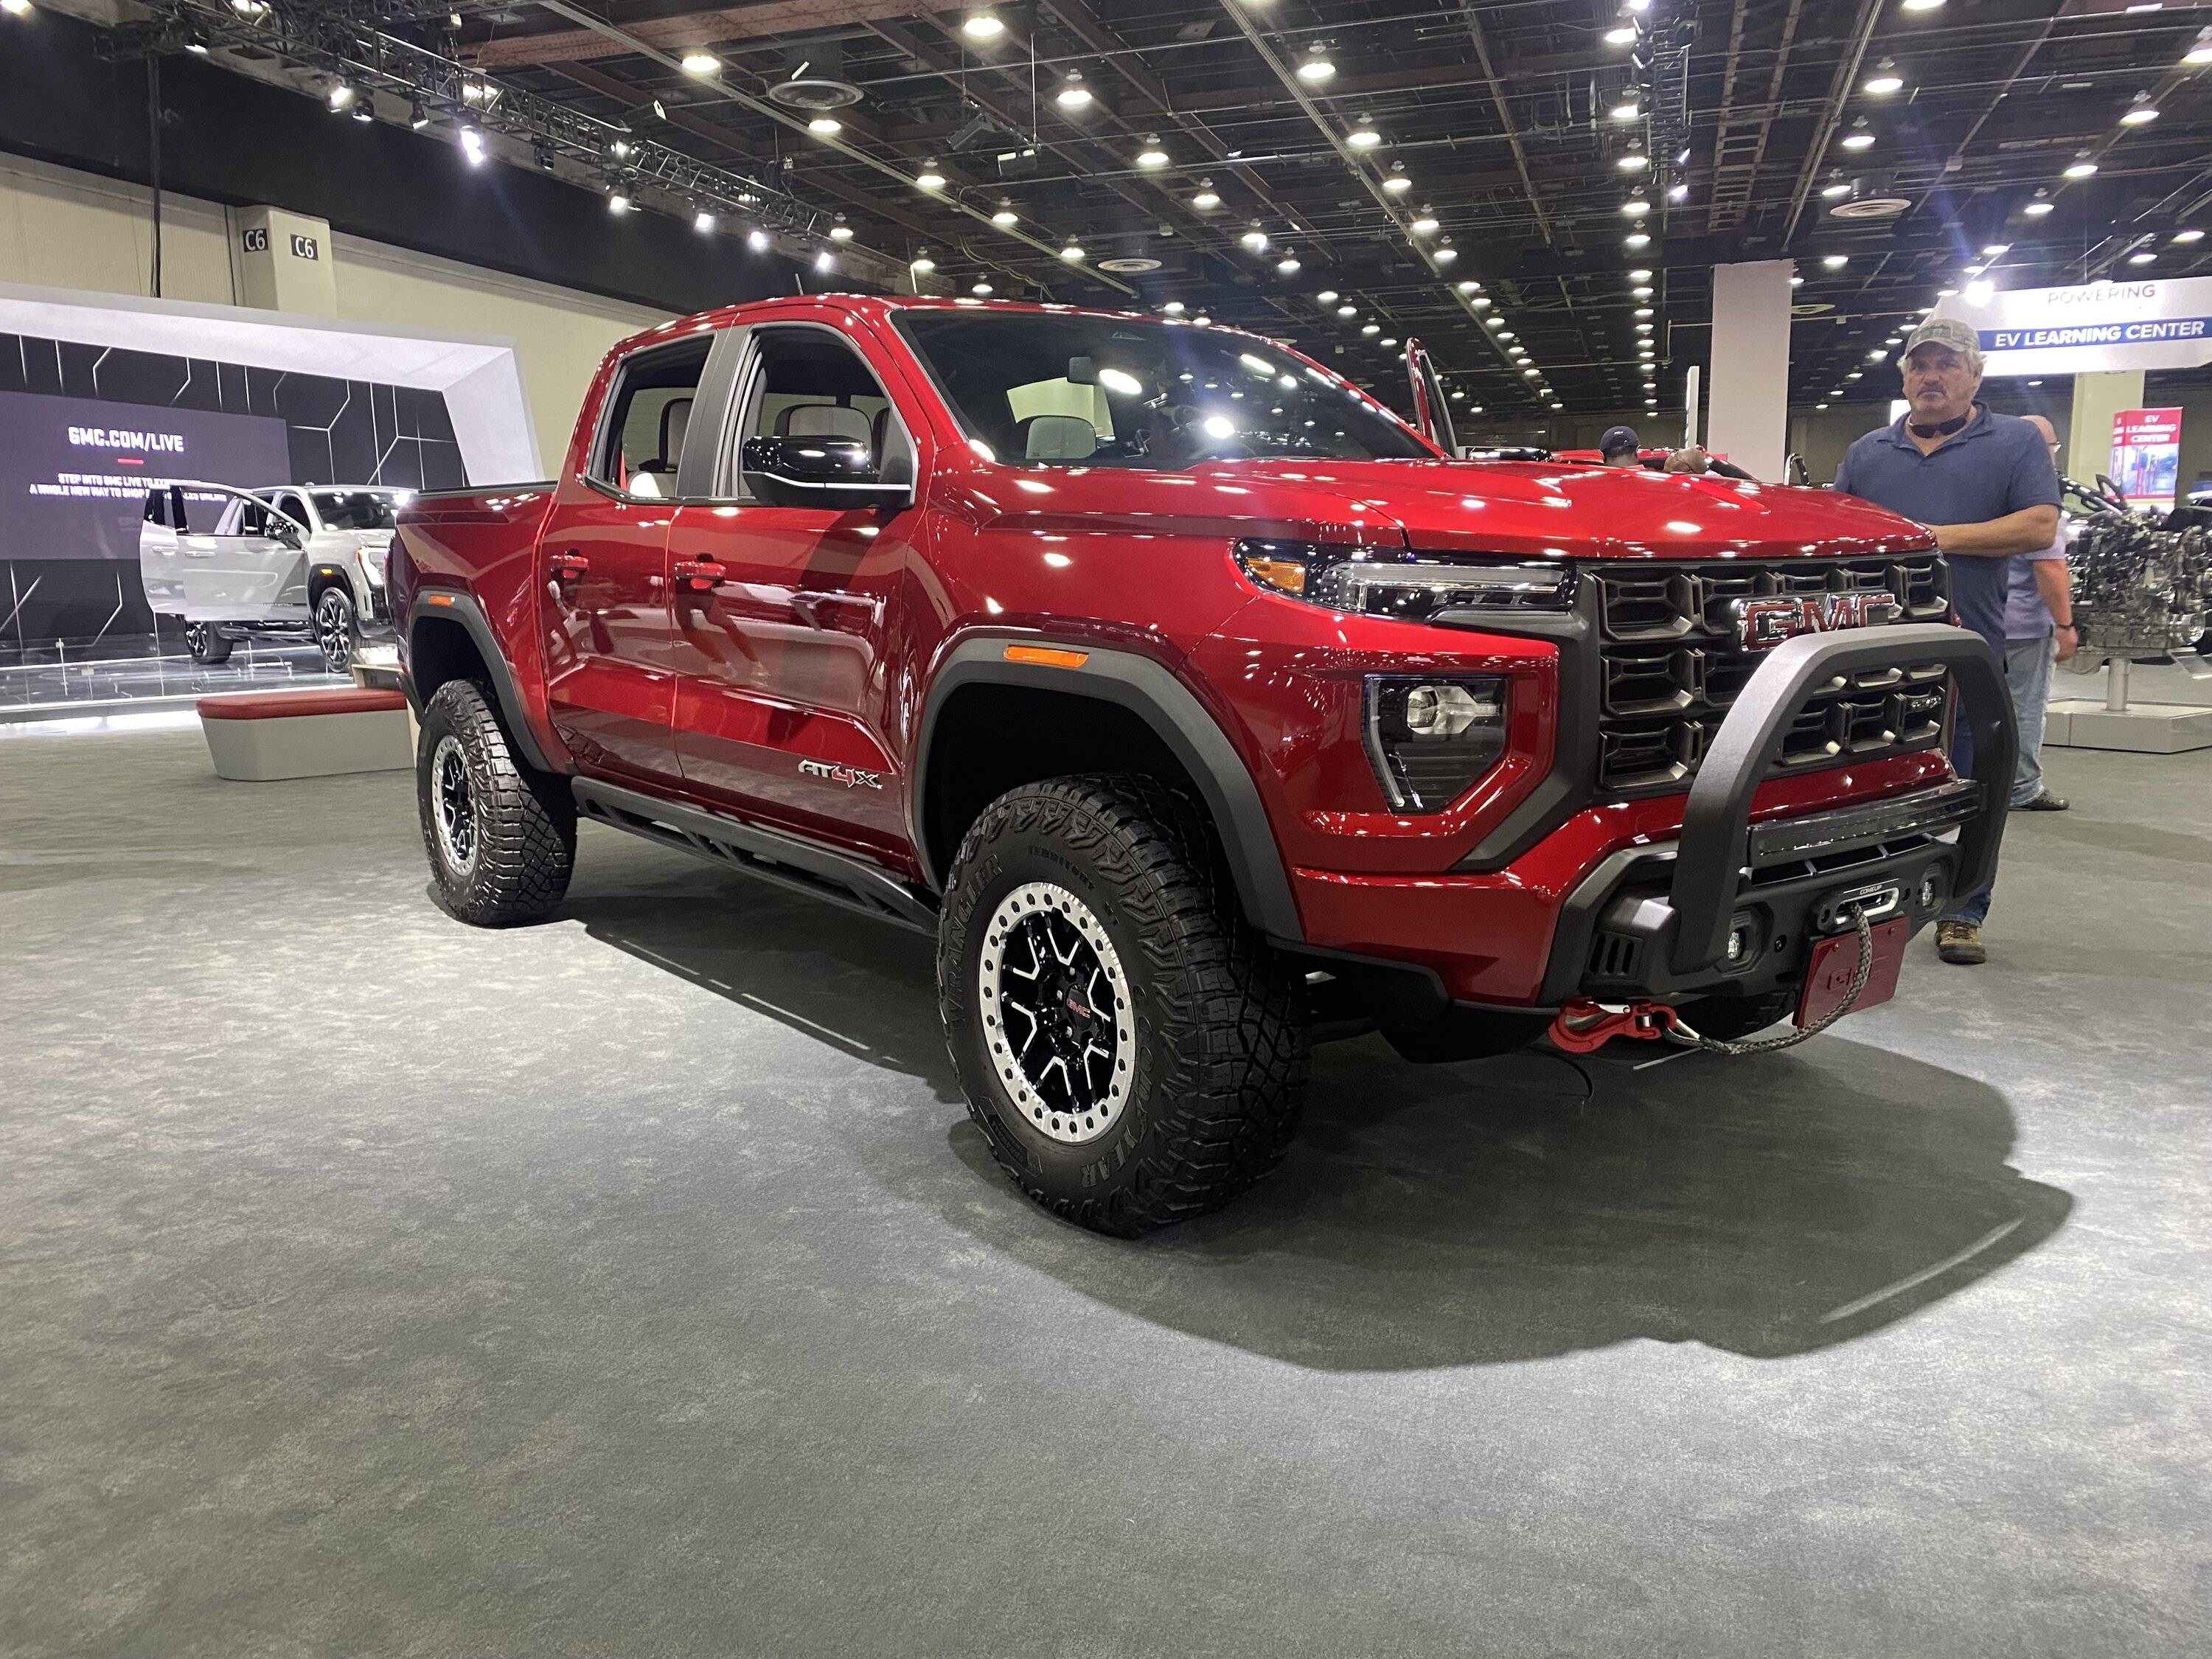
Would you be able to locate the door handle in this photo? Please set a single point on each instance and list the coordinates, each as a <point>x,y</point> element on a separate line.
<point>700,575</point>
<point>569,567</point>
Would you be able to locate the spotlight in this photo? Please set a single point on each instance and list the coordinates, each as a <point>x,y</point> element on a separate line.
<point>341,94</point>
<point>1624,35</point>
<point>700,62</point>
<point>472,146</point>
<point>757,241</point>
<point>417,117</point>
<point>617,203</point>
<point>196,43</point>
<point>703,221</point>
<point>825,261</point>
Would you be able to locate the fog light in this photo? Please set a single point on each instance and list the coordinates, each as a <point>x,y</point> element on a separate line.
<point>1430,740</point>
<point>1444,711</point>
<point>1743,936</point>
<point>1930,890</point>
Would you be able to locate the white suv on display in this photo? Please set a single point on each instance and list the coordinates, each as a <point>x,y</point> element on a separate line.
<point>288,561</point>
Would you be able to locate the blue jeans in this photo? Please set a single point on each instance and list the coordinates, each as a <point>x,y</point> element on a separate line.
<point>2027,671</point>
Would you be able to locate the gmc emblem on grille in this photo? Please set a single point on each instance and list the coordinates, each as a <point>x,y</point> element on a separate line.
<point>1762,625</point>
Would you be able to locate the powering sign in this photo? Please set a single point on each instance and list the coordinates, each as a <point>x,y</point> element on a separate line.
<point>2097,326</point>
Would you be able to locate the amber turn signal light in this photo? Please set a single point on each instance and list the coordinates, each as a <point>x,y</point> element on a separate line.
<point>1044,656</point>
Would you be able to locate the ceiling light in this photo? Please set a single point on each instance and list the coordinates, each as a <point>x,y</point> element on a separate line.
<point>1639,275</point>
<point>1976,271</point>
<point>1370,328</point>
<point>1493,322</point>
<point>2082,166</point>
<point>1643,311</point>
<point>1071,253</point>
<point>1256,240</point>
<point>2142,259</point>
<point>702,220</point>
<point>929,178</point>
<point>2188,236</point>
<point>1327,297</point>
<point>2041,206</point>
<point>1152,155</point>
<point>922,264</point>
<point>1173,307</point>
<point>825,261</point>
<point>1626,112</point>
<point>1348,311</point>
<point>196,43</point>
<point>1508,334</point>
<point>1397,180</point>
<point>1678,192</point>
<point>1623,36</point>
<point>700,62</point>
<point>1996,250</point>
<point>341,94</point>
<point>982,26</point>
<point>1445,255</point>
<point>1797,282</point>
<point>2202,51</point>
<point>841,232</point>
<point>1426,223</point>
<point>1922,5</point>
<point>1206,200</point>
<point>1836,261</point>
<point>1287,266</point>
<point>1073,94</point>
<point>617,203</point>
<point>1859,137</point>
<point>1635,161</point>
<point>982,289</point>
<point>472,146</point>
<point>1639,239</point>
<point>1529,373</point>
<point>825,125</point>
<point>1639,292</point>
<point>2139,112</point>
<point>1877,355</point>
<point>1643,328</point>
<point>1316,66</point>
<point>1853,375</point>
<point>1636,207</point>
<point>1005,216</point>
<point>1363,137</point>
<point>757,241</point>
<point>1482,304</point>
<point>1885,79</point>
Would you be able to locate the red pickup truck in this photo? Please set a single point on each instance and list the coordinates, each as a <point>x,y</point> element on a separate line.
<point>1196,705</point>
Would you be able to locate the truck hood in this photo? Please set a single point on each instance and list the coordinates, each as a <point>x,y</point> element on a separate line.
<point>1528,508</point>
<point>1588,512</point>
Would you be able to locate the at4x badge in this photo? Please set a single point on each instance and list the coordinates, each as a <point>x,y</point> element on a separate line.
<point>1762,625</point>
<point>838,772</point>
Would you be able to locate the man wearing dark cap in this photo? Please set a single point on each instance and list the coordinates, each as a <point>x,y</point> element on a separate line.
<point>1984,484</point>
<point>1620,447</point>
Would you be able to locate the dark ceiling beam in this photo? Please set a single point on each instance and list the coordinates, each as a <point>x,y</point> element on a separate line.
<point>1481,45</point>
<point>687,29</point>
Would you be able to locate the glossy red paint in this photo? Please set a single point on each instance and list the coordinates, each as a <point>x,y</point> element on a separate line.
<point>708,650</point>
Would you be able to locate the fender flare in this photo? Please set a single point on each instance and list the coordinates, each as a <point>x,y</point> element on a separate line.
<point>454,606</point>
<point>1164,704</point>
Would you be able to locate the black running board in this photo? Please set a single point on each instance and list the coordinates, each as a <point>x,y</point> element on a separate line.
<point>801,866</point>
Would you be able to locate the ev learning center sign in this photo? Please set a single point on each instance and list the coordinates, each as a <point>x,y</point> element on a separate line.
<point>2097,327</point>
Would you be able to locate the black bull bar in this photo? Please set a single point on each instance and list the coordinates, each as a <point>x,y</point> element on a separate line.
<point>1712,856</point>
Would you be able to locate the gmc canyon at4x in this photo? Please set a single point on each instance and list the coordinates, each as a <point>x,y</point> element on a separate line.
<point>1198,707</point>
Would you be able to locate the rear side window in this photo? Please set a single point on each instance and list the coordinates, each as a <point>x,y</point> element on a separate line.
<point>641,438</point>
<point>157,507</point>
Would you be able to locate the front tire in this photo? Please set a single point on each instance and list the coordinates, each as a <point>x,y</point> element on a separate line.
<point>501,835</point>
<point>337,627</point>
<point>1135,1053</point>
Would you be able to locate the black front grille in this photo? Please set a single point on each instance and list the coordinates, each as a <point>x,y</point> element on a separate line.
<point>1671,665</point>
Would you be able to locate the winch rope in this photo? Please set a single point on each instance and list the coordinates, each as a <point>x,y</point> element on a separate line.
<point>1680,1032</point>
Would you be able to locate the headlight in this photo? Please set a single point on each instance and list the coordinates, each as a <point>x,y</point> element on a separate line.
<point>1430,739</point>
<point>1415,587</point>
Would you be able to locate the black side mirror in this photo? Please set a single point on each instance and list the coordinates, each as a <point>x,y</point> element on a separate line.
<point>839,473</point>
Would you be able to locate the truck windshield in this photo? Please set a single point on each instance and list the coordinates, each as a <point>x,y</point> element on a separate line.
<point>1039,390</point>
<point>355,509</point>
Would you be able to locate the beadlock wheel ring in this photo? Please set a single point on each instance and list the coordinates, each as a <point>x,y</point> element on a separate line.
<point>453,806</point>
<point>1059,1021</point>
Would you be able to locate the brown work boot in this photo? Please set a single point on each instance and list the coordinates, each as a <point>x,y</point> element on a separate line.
<point>1959,942</point>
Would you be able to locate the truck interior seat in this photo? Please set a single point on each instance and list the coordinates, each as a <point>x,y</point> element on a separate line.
<point>823,421</point>
<point>1057,437</point>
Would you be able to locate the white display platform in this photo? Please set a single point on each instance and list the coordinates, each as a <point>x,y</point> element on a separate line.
<point>2142,728</point>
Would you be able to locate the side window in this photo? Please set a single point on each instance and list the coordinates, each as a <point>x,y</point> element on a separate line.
<point>157,507</point>
<point>295,509</point>
<point>809,383</point>
<point>642,436</point>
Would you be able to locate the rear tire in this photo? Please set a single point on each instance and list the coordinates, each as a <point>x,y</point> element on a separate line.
<point>338,627</point>
<point>205,645</point>
<point>1135,1053</point>
<point>501,835</point>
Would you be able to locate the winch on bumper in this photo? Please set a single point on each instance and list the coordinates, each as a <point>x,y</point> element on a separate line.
<point>1731,909</point>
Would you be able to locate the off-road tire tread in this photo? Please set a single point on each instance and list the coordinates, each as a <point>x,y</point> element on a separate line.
<point>1233,1051</point>
<point>526,819</point>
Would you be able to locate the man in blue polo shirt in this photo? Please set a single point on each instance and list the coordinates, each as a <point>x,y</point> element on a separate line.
<point>1984,484</point>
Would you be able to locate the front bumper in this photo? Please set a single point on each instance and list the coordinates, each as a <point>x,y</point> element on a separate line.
<point>1726,907</point>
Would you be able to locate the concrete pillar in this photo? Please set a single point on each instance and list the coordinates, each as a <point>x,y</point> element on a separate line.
<point>2097,399</point>
<point>1748,399</point>
<point>282,261</point>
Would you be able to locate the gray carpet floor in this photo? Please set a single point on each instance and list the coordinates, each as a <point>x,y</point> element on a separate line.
<point>633,1284</point>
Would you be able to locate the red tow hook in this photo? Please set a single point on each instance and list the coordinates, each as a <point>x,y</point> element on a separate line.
<point>1584,1025</point>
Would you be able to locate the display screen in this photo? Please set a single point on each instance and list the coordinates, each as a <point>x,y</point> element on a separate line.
<point>74,471</point>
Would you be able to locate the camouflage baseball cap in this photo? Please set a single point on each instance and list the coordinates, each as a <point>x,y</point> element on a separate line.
<point>1944,331</point>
